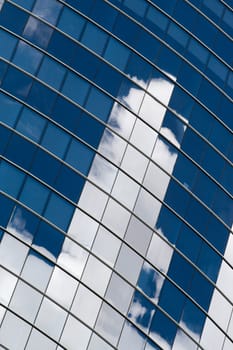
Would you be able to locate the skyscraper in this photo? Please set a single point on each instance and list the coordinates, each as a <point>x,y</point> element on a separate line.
<point>116,175</point>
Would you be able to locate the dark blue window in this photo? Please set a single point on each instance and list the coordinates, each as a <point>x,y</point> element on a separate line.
<point>180,271</point>
<point>90,130</point>
<point>20,151</point>
<point>34,195</point>
<point>172,300</point>
<point>66,114</point>
<point>6,206</point>
<point>163,327</point>
<point>9,109</point>
<point>8,16</point>
<point>169,224</point>
<point>79,156</point>
<point>99,104</point>
<point>17,83</point>
<point>41,97</point>
<point>49,238</point>
<point>69,183</point>
<point>11,179</point>
<point>48,172</point>
<point>59,212</point>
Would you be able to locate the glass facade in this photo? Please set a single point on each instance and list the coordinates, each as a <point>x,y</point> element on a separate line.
<point>116,175</point>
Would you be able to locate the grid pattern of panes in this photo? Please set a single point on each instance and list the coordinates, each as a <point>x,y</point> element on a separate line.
<point>116,173</point>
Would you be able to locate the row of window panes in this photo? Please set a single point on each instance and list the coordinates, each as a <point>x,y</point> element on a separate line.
<point>184,107</point>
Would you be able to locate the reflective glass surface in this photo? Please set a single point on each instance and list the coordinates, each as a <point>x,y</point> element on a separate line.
<point>116,175</point>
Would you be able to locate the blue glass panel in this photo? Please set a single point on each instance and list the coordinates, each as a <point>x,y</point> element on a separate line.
<point>8,44</point>
<point>201,120</point>
<point>6,206</point>
<point>59,211</point>
<point>176,197</point>
<point>193,82</point>
<point>169,224</point>
<point>209,262</point>
<point>41,97</point>
<point>9,110</point>
<point>62,139</point>
<point>108,79</point>
<point>11,179</point>
<point>3,68</point>
<point>143,316</point>
<point>223,47</point>
<point>217,71</point>
<point>82,5</point>
<point>66,114</point>
<point>213,163</point>
<point>209,95</point>
<point>51,72</point>
<point>156,21</point>
<point>147,45</point>
<point>90,130</point>
<point>204,188</point>
<point>216,234</point>
<point>177,37</point>
<point>94,38</point>
<point>27,57</point>
<point>227,177</point>
<point>49,238</point>
<point>71,23</point>
<point>172,300</point>
<point>17,83</point>
<point>167,6</point>
<point>175,125</point>
<point>99,104</point>
<point>85,62</point>
<point>62,48</point>
<point>204,30</point>
<point>168,61</point>
<point>147,280</point>
<point>27,4</point>
<point>224,112</point>
<point>193,318</point>
<point>138,68</point>
<point>194,211</point>
<point>193,145</point>
<point>8,16</point>
<point>126,29</point>
<point>37,32</point>
<point>104,14</point>
<point>189,243</point>
<point>201,290</point>
<point>117,54</point>
<point>163,328</point>
<point>47,9</point>
<point>48,172</point>
<point>190,17</point>
<point>69,183</point>
<point>181,102</point>
<point>180,271</point>
<point>20,151</point>
<point>75,88</point>
<point>197,54</point>
<point>34,195</point>
<point>223,206</point>
<point>218,134</point>
<point>31,124</point>
<point>138,7</point>
<point>24,222</point>
<point>185,171</point>
<point>4,137</point>
<point>79,156</point>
